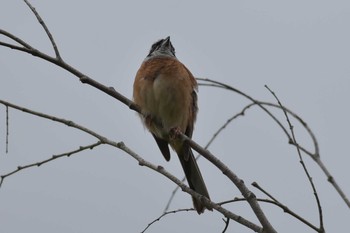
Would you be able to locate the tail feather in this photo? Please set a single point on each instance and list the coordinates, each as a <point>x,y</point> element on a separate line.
<point>194,178</point>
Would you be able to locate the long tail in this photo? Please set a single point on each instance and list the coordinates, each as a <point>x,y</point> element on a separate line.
<point>194,178</point>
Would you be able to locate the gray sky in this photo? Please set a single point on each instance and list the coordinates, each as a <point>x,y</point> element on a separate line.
<point>300,49</point>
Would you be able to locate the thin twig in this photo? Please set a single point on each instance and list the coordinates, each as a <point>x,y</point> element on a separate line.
<point>53,157</point>
<point>172,196</point>
<point>7,129</point>
<point>227,222</point>
<point>256,185</point>
<point>163,215</point>
<point>16,47</point>
<point>278,204</point>
<point>228,121</point>
<point>302,162</point>
<point>316,152</point>
<point>15,38</point>
<point>47,31</point>
<point>53,118</point>
<point>331,180</point>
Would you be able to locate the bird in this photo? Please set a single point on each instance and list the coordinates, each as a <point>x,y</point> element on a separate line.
<point>166,92</point>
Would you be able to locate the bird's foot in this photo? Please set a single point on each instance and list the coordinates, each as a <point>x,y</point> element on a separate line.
<point>174,133</point>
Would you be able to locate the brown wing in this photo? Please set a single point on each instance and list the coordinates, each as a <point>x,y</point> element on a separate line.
<point>193,109</point>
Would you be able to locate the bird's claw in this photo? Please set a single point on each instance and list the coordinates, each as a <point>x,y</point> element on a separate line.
<point>174,133</point>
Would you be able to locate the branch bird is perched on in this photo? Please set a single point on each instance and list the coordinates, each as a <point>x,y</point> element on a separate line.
<point>165,90</point>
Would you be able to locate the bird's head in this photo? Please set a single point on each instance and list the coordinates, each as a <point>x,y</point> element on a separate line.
<point>162,47</point>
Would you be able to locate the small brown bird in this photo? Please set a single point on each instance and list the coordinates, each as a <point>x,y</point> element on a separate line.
<point>165,90</point>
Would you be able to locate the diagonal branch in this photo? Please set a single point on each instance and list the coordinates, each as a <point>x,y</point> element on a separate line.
<point>15,38</point>
<point>53,118</point>
<point>53,157</point>
<point>227,222</point>
<point>47,31</point>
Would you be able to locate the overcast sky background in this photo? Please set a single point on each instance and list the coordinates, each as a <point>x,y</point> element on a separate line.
<point>300,49</point>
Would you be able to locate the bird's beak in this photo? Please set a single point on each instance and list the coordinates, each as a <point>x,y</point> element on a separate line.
<point>167,41</point>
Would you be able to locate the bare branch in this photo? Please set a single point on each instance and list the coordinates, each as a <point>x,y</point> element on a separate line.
<point>47,31</point>
<point>53,157</point>
<point>172,196</point>
<point>53,118</point>
<point>15,47</point>
<point>302,161</point>
<point>163,215</point>
<point>15,38</point>
<point>331,180</point>
<point>7,129</point>
<point>314,154</point>
<point>227,222</point>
